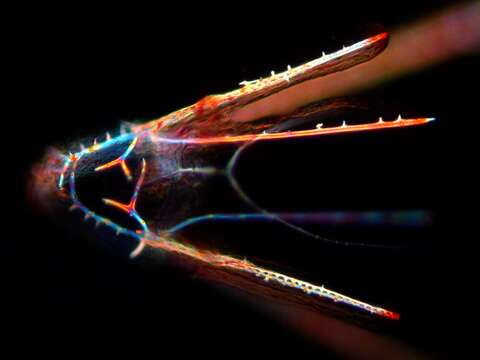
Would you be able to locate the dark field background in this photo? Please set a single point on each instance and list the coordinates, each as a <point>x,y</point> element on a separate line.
<point>79,72</point>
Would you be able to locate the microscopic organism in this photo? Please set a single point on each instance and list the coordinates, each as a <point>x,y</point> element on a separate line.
<point>160,161</point>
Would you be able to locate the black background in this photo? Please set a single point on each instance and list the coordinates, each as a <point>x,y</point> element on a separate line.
<point>78,72</point>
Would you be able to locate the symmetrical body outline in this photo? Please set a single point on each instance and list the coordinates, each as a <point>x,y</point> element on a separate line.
<point>194,125</point>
